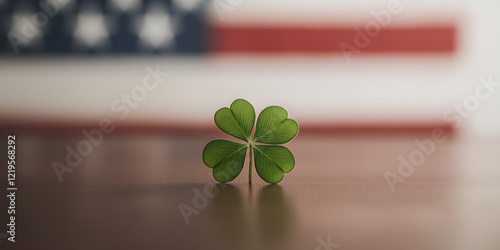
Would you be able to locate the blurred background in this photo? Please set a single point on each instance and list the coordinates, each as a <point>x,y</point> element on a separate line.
<point>68,60</point>
<point>365,79</point>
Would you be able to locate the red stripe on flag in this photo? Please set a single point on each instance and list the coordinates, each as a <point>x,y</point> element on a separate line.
<point>435,39</point>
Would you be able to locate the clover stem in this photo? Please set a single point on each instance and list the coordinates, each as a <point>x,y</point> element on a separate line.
<point>250,165</point>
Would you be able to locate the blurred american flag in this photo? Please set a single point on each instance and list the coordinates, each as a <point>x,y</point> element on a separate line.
<point>197,26</point>
<point>415,64</point>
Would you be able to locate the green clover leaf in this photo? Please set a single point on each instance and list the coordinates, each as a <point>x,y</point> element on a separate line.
<point>238,120</point>
<point>273,127</point>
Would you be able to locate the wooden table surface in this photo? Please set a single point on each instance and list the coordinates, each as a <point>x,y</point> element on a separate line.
<point>127,194</point>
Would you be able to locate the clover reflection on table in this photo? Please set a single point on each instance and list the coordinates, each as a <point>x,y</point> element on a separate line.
<point>235,219</point>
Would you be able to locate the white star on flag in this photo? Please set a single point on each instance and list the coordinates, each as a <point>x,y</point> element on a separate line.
<point>91,30</point>
<point>155,28</point>
<point>25,30</point>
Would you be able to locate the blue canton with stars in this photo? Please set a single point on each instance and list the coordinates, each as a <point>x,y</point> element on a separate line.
<point>102,27</point>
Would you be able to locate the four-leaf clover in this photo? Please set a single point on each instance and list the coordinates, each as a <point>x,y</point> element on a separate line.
<point>273,127</point>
